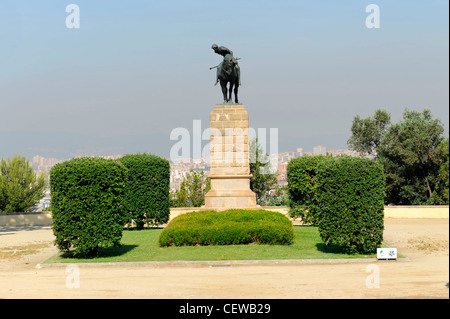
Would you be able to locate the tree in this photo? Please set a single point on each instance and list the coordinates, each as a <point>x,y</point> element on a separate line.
<point>20,188</point>
<point>263,178</point>
<point>411,162</point>
<point>278,196</point>
<point>368,133</point>
<point>192,190</point>
<point>3,198</point>
<point>441,194</point>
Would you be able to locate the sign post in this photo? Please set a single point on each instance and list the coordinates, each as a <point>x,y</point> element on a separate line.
<point>387,253</point>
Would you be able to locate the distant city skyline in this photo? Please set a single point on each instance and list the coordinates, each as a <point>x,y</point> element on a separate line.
<point>179,170</point>
<point>43,164</point>
<point>63,153</point>
<point>135,70</point>
<point>317,150</point>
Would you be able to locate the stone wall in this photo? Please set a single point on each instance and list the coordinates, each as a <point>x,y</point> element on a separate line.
<point>26,219</point>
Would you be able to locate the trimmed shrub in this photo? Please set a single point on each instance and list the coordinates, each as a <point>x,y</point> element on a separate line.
<point>301,178</point>
<point>349,198</point>
<point>87,204</point>
<point>231,227</point>
<point>147,189</point>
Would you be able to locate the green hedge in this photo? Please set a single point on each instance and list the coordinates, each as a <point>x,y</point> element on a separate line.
<point>301,178</point>
<point>231,227</point>
<point>147,189</point>
<point>87,204</point>
<point>350,201</point>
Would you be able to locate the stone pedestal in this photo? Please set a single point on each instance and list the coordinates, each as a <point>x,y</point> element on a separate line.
<point>229,158</point>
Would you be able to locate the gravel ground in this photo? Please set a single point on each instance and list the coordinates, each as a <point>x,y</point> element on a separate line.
<point>425,242</point>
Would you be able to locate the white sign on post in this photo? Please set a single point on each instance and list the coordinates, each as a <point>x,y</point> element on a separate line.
<point>387,253</point>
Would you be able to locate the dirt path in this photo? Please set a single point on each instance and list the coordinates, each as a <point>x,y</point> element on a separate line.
<point>424,241</point>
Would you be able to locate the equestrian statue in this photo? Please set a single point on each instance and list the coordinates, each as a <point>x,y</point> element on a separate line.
<point>228,72</point>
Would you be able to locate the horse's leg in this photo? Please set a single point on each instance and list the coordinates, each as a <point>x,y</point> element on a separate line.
<point>223,84</point>
<point>236,86</point>
<point>230,92</point>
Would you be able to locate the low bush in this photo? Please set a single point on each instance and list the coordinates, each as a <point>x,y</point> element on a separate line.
<point>231,227</point>
<point>87,204</point>
<point>350,203</point>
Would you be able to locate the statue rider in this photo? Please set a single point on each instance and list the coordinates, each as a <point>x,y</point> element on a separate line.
<point>227,57</point>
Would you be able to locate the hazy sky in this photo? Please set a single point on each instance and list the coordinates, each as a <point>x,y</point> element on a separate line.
<point>136,70</point>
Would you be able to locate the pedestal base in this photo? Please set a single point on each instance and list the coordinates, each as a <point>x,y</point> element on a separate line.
<point>228,192</point>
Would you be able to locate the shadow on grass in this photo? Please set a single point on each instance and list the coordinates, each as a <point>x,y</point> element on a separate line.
<point>140,229</point>
<point>330,249</point>
<point>340,249</point>
<point>102,252</point>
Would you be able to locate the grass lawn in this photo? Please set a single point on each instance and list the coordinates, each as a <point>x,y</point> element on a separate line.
<point>143,246</point>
